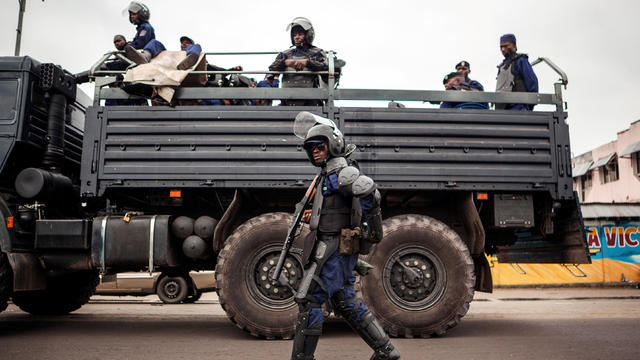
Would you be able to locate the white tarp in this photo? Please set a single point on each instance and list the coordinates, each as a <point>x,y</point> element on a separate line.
<point>161,73</point>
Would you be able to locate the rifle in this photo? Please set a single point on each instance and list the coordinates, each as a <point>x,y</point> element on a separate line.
<point>294,228</point>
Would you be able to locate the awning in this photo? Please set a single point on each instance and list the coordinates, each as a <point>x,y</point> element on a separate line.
<point>602,161</point>
<point>581,169</point>
<point>635,147</point>
<point>610,210</point>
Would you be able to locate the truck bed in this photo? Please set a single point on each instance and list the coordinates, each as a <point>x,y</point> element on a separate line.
<point>254,147</point>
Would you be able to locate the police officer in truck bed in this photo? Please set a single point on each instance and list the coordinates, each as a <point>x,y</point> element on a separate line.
<point>515,73</point>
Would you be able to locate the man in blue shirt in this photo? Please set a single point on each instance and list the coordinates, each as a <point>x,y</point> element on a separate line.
<point>465,68</point>
<point>344,200</point>
<point>457,81</point>
<point>515,74</point>
<point>144,45</point>
<point>193,53</point>
<point>270,81</point>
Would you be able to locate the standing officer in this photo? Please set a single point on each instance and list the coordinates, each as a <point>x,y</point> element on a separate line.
<point>465,68</point>
<point>144,46</point>
<point>302,56</point>
<point>345,220</point>
<point>515,73</point>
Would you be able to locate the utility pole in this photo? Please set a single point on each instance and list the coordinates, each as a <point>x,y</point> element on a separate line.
<point>23,4</point>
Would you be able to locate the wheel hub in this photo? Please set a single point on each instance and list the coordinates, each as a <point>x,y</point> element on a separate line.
<point>414,278</point>
<point>272,291</point>
<point>171,289</point>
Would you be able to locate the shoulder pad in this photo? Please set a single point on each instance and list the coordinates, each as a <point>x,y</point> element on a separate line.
<point>335,164</point>
<point>347,177</point>
<point>363,186</point>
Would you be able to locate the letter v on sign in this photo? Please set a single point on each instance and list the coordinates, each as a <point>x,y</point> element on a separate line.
<point>611,234</point>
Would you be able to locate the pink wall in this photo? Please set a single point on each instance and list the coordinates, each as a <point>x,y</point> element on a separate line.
<point>627,187</point>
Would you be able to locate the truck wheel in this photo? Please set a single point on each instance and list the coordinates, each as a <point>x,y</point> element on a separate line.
<point>64,294</point>
<point>242,277</point>
<point>172,289</point>
<point>6,281</point>
<point>192,298</point>
<point>423,279</point>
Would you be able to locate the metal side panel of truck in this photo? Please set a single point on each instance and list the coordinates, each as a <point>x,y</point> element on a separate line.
<point>182,188</point>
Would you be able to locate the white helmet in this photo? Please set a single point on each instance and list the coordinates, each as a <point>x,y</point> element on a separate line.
<point>313,128</point>
<point>306,25</point>
<point>141,9</point>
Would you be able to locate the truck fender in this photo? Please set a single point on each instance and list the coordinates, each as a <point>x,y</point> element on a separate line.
<point>473,225</point>
<point>224,227</point>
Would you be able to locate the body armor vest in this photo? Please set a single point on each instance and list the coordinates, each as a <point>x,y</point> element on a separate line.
<point>508,81</point>
<point>295,80</point>
<point>335,214</point>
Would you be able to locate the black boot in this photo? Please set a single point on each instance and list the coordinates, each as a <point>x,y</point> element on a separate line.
<point>306,338</point>
<point>368,327</point>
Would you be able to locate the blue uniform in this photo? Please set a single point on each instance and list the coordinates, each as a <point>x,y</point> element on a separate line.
<point>337,272</point>
<point>265,83</point>
<point>193,49</point>
<point>145,39</point>
<point>476,85</point>
<point>522,69</point>
<point>465,105</point>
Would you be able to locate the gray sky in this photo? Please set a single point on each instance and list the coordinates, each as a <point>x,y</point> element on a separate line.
<point>387,44</point>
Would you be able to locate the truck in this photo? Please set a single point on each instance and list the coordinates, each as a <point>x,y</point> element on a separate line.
<point>91,190</point>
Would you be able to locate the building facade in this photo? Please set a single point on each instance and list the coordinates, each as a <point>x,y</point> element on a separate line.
<point>611,172</point>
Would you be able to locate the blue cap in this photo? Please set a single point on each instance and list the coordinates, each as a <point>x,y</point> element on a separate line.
<point>508,37</point>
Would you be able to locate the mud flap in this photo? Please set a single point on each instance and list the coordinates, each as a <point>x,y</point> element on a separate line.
<point>28,274</point>
<point>567,244</point>
<point>484,280</point>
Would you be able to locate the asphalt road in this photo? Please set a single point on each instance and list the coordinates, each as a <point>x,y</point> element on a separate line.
<point>509,324</point>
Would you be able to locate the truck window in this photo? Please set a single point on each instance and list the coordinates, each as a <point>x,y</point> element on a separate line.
<point>8,97</point>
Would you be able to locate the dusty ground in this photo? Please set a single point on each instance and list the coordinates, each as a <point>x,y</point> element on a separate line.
<point>554,323</point>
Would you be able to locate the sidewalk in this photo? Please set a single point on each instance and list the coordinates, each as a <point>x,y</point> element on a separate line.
<point>501,294</point>
<point>559,293</point>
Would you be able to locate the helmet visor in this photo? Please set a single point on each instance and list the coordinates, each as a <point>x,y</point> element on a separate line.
<point>300,21</point>
<point>306,120</point>
<point>133,7</point>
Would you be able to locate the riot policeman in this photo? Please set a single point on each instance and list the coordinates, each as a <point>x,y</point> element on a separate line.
<point>302,56</point>
<point>515,73</point>
<point>144,45</point>
<point>345,220</point>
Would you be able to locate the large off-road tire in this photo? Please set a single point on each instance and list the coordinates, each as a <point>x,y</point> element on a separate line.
<point>64,294</point>
<point>6,281</point>
<point>172,289</point>
<point>245,292</point>
<point>423,279</point>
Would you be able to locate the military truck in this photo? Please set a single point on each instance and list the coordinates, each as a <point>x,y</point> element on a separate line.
<point>89,190</point>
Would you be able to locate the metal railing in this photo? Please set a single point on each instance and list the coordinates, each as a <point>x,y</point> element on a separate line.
<point>328,94</point>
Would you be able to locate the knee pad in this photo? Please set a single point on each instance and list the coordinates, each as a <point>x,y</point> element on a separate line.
<point>347,306</point>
